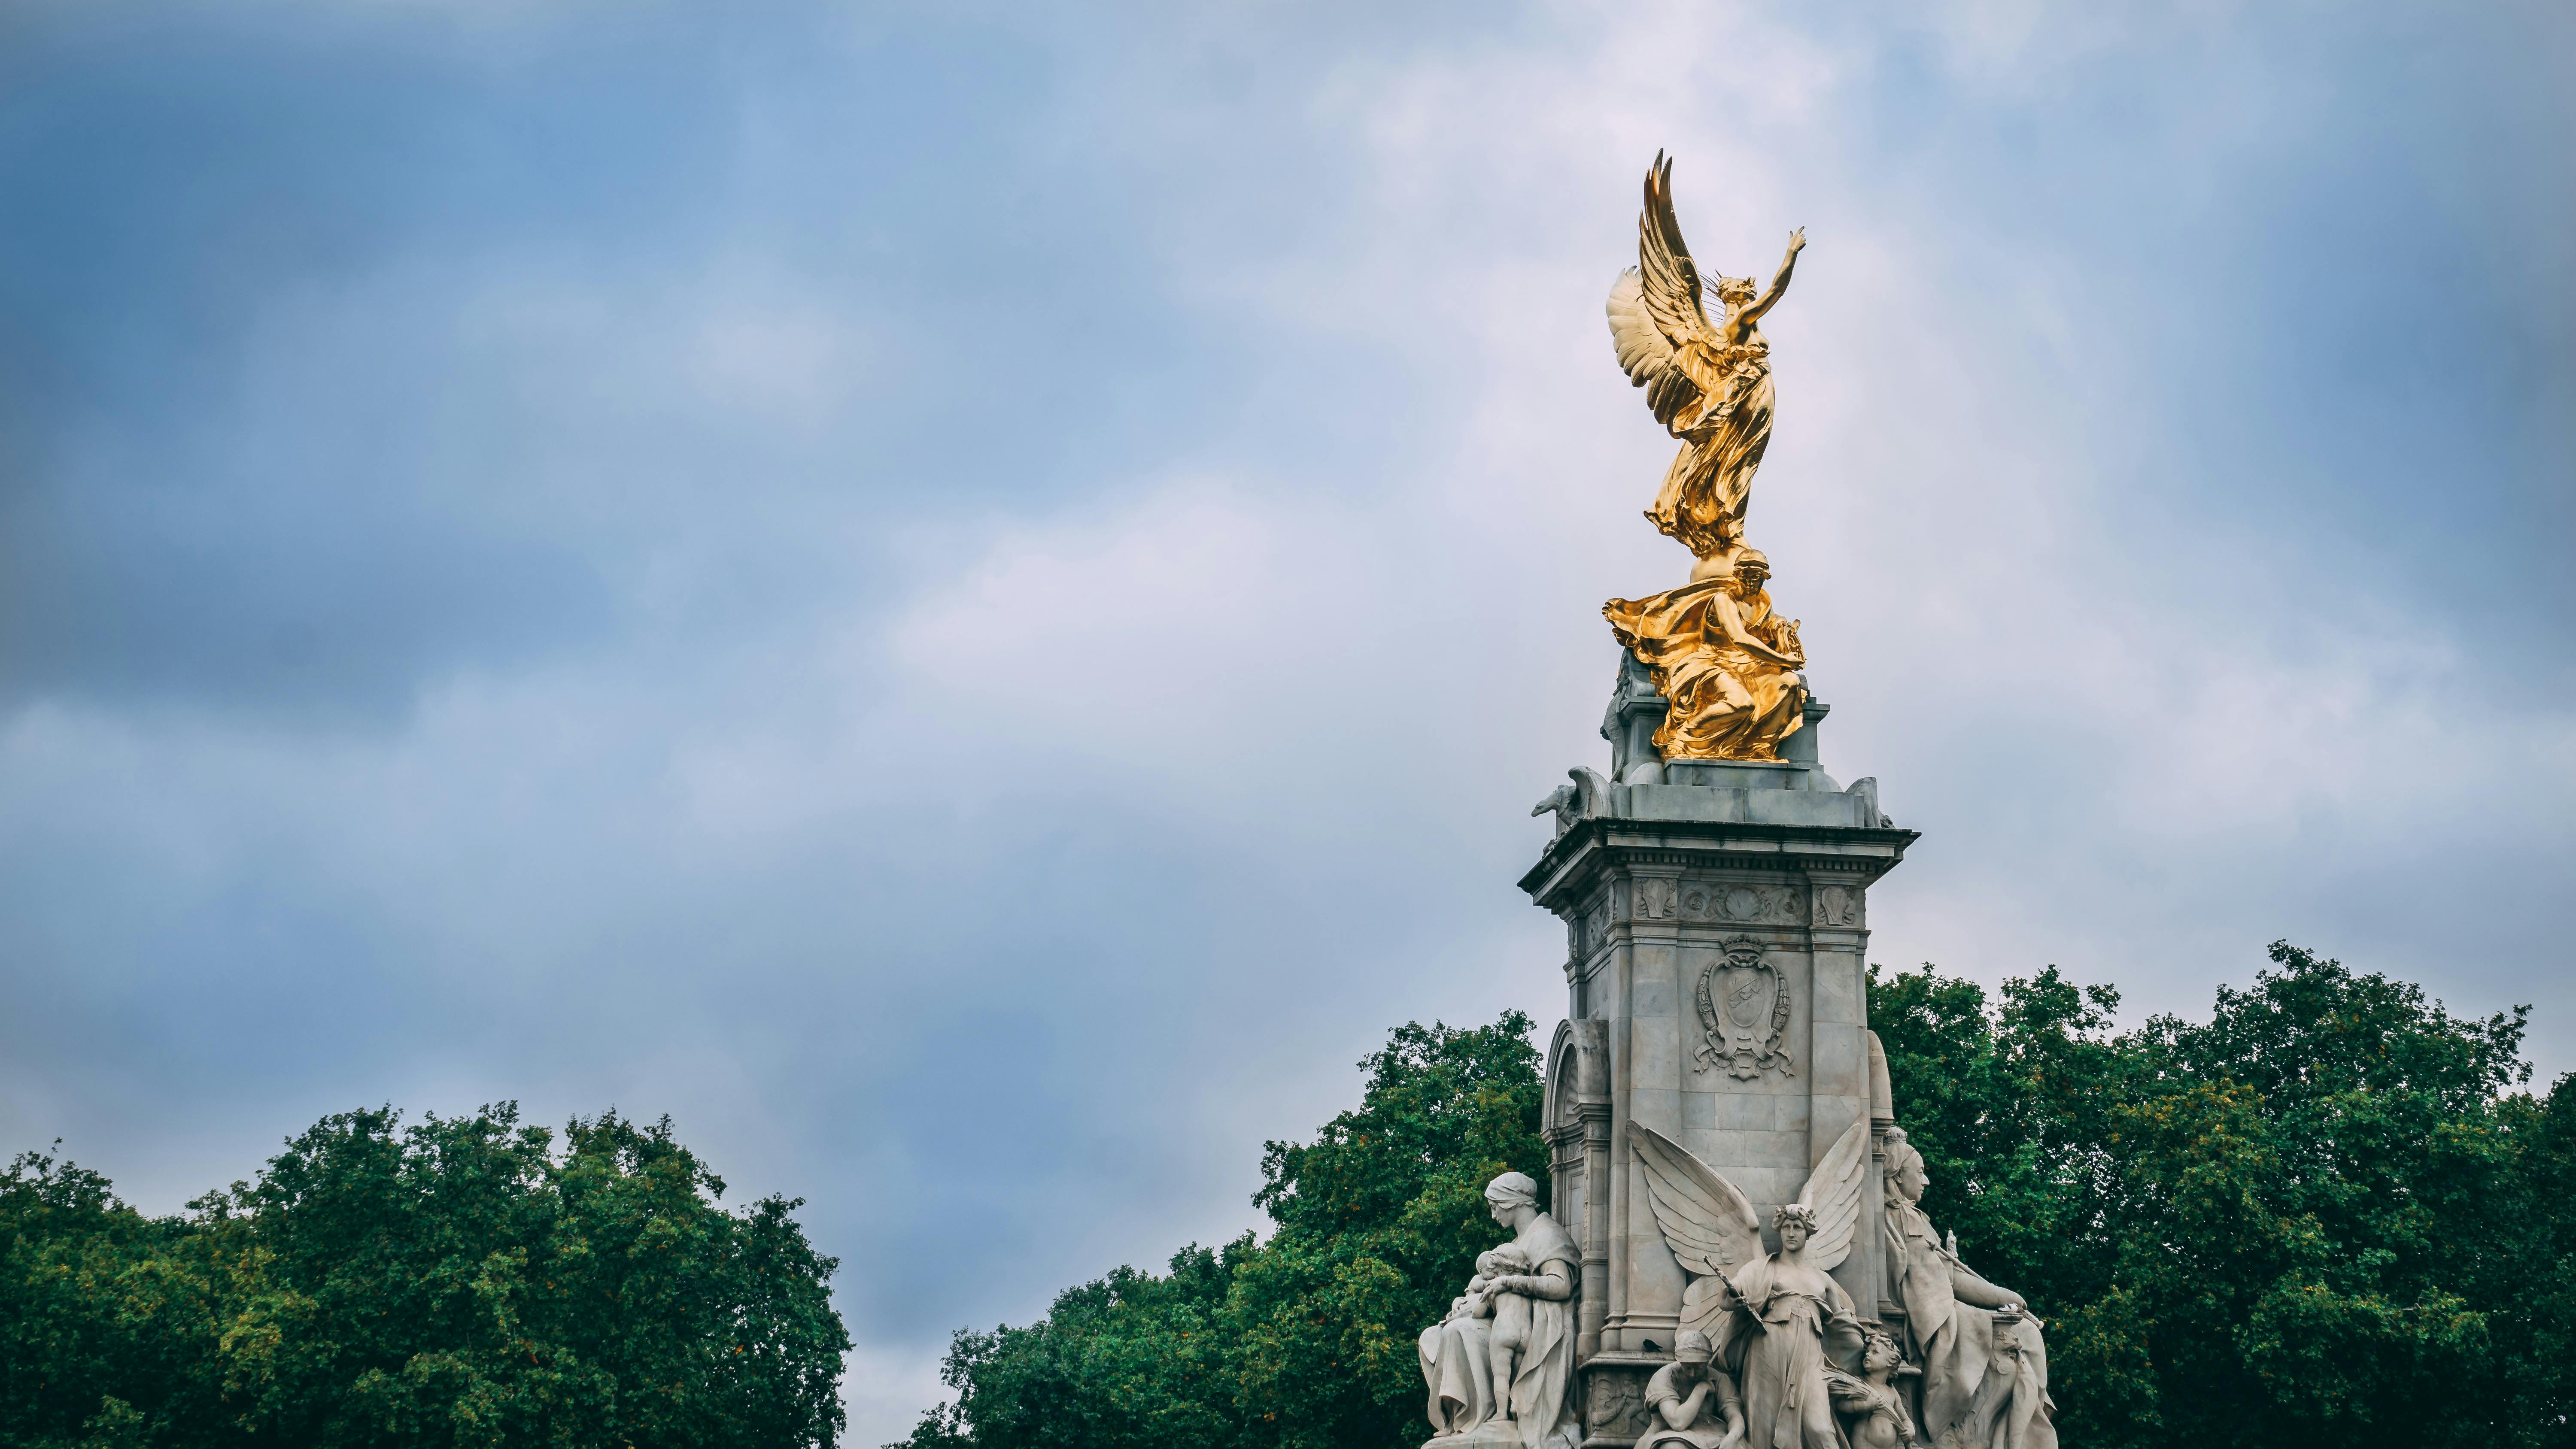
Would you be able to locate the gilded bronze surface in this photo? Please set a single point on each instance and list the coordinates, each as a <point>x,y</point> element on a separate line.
<point>1725,662</point>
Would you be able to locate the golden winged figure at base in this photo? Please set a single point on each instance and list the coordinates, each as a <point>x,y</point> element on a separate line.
<point>1726,664</point>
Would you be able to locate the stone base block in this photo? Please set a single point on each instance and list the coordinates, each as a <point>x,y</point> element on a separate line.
<point>1499,1434</point>
<point>1614,1397</point>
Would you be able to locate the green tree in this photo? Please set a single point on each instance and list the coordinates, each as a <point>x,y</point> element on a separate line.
<point>98,1313</point>
<point>2322,1215</point>
<point>453,1282</point>
<point>2325,1215</point>
<point>1130,1361</point>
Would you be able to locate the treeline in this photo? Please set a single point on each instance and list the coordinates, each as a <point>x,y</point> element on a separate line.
<point>2324,1216</point>
<point>1307,1338</point>
<point>450,1282</point>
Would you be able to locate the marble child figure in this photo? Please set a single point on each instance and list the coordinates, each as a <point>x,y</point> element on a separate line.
<point>1690,1403</point>
<point>1869,1403</point>
<point>1509,1337</point>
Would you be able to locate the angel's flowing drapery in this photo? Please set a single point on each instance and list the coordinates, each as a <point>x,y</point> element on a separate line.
<point>1774,1341</point>
<point>1710,386</point>
<point>1723,436</point>
<point>1955,1342</point>
<point>1726,704</point>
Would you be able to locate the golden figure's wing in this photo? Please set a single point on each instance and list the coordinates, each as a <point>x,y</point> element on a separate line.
<point>1655,306</point>
<point>1704,1218</point>
<point>1833,1190</point>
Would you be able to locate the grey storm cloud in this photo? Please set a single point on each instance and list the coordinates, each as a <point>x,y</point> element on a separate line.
<point>970,600</point>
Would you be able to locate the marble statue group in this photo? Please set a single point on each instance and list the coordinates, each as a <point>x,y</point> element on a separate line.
<point>1770,1352</point>
<point>1501,1365</point>
<point>1733,1251</point>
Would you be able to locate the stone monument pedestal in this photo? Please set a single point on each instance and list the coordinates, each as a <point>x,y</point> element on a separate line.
<point>1716,920</point>
<point>1496,1434</point>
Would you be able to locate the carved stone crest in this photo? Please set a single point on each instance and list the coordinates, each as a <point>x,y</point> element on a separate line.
<point>1744,1013</point>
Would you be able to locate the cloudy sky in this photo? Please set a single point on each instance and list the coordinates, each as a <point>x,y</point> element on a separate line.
<point>971,599</point>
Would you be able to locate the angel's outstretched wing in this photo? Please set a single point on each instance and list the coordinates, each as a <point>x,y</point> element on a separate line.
<point>1704,1218</point>
<point>1655,306</point>
<point>1833,1190</point>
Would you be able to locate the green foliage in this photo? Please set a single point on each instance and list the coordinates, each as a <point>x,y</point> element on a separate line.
<point>2322,1216</point>
<point>1306,1340</point>
<point>454,1282</point>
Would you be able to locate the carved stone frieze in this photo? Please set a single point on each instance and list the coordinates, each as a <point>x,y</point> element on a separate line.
<point>1742,901</point>
<point>1655,900</point>
<point>1837,905</point>
<point>1614,1403</point>
<point>1723,902</point>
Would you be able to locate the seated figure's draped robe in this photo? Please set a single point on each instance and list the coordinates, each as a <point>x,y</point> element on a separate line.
<point>1456,1353</point>
<point>1955,1341</point>
<point>1726,704</point>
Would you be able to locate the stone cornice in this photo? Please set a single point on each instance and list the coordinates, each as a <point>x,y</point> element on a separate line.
<point>1594,845</point>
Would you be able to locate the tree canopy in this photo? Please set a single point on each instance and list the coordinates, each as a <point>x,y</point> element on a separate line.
<point>2327,1214</point>
<point>2323,1215</point>
<point>451,1282</point>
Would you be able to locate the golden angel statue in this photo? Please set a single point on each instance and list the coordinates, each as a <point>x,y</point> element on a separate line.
<point>1709,383</point>
<point>1780,1325</point>
<point>1726,664</point>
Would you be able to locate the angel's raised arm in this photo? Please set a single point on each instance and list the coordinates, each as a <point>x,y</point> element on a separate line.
<point>1779,280</point>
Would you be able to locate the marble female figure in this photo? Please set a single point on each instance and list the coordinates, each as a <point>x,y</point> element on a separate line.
<point>1532,1399</point>
<point>1776,1316</point>
<point>1540,1398</point>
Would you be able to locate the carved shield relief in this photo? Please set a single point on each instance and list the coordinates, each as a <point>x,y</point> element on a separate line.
<point>1744,1013</point>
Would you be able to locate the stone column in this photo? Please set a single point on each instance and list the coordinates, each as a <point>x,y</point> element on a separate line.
<point>1578,1130</point>
<point>1715,919</point>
